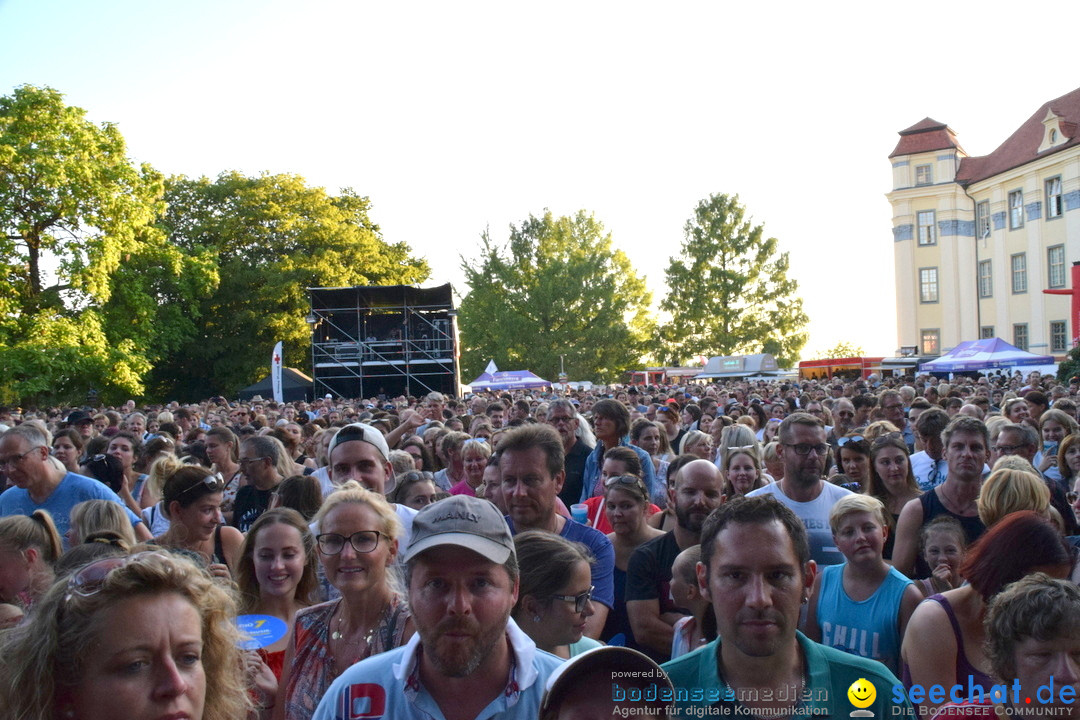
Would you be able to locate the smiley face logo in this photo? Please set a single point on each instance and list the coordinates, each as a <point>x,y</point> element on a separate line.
<point>862,693</point>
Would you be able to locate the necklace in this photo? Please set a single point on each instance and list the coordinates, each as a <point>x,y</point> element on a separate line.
<point>953,504</point>
<point>339,635</point>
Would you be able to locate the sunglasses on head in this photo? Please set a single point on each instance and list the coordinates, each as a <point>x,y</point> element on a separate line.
<point>214,482</point>
<point>88,580</point>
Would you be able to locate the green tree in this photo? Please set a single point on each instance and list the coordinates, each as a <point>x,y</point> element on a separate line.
<point>841,350</point>
<point>72,208</point>
<point>729,290</point>
<point>557,287</point>
<point>269,238</point>
<point>1070,366</point>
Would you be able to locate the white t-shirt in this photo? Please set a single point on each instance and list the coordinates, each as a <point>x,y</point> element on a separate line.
<point>815,516</point>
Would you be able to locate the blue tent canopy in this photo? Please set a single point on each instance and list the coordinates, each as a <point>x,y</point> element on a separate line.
<point>987,354</point>
<point>494,379</point>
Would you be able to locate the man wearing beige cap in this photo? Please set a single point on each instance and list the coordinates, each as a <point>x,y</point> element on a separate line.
<point>467,659</point>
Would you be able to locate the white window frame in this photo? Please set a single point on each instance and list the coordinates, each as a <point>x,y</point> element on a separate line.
<point>929,237</point>
<point>1018,265</point>
<point>1055,203</point>
<point>1059,336</point>
<point>1016,209</point>
<point>1021,329</point>
<point>1055,264</point>
<point>928,285</point>
<point>986,278</point>
<point>982,218</point>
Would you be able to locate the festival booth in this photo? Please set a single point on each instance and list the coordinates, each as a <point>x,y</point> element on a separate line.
<point>739,366</point>
<point>974,356</point>
<point>495,380</point>
<point>295,386</point>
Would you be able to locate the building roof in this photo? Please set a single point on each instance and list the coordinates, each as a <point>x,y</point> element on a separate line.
<point>925,136</point>
<point>1022,146</point>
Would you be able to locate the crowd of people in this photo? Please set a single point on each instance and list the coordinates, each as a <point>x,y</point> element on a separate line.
<point>744,547</point>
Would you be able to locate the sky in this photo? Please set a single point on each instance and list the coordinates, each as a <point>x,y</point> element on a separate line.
<point>456,117</point>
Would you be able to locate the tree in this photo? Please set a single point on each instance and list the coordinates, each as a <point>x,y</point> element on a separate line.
<point>557,288</point>
<point>841,350</point>
<point>1070,366</point>
<point>72,208</point>
<point>729,290</point>
<point>69,192</point>
<point>268,238</point>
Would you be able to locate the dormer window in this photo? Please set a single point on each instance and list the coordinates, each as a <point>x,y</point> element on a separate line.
<point>1055,131</point>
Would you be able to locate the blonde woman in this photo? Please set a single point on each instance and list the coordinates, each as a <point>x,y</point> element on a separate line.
<point>357,539</point>
<point>474,458</point>
<point>741,471</point>
<point>29,547</point>
<point>1008,490</point>
<point>81,655</point>
<point>91,516</point>
<point>223,450</point>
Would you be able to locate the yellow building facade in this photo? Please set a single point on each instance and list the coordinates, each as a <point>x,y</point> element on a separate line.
<point>977,239</point>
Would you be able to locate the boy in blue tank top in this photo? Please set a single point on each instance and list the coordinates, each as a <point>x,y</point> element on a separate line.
<point>863,605</point>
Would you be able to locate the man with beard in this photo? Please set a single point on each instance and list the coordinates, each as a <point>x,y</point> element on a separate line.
<point>531,465</point>
<point>803,451</point>
<point>467,659</point>
<point>967,448</point>
<point>649,606</point>
<point>843,415</point>
<point>562,415</point>
<point>892,407</point>
<point>757,573</point>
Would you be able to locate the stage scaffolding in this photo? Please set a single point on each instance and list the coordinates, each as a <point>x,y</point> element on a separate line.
<point>383,340</point>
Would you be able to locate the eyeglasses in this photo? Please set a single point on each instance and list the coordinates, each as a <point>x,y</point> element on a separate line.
<point>14,460</point>
<point>806,448</point>
<point>579,600</point>
<point>215,482</point>
<point>363,541</point>
<point>1008,449</point>
<point>894,435</point>
<point>845,440</point>
<point>245,461</point>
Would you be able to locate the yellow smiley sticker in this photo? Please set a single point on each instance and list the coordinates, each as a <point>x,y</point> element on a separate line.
<point>862,693</point>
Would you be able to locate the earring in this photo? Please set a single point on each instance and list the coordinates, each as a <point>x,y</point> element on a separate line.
<point>805,600</point>
<point>536,618</point>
